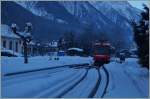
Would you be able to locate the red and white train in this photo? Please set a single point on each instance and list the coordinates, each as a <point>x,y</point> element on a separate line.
<point>102,53</point>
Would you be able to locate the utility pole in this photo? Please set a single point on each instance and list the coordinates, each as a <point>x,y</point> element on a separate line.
<point>25,36</point>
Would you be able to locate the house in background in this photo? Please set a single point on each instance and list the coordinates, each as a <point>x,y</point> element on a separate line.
<point>10,41</point>
<point>32,49</point>
<point>53,46</point>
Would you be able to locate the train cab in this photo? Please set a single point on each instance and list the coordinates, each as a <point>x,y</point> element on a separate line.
<point>102,51</point>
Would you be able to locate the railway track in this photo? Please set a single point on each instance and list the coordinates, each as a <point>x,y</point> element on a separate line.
<point>63,90</point>
<point>35,74</point>
<point>98,84</point>
<point>64,87</point>
<point>72,86</point>
<point>92,91</point>
<point>107,81</point>
<point>44,69</point>
<point>92,94</point>
<point>102,89</point>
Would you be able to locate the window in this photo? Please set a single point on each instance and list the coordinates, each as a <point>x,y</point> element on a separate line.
<point>10,45</point>
<point>22,49</point>
<point>20,42</point>
<point>102,50</point>
<point>16,46</point>
<point>4,43</point>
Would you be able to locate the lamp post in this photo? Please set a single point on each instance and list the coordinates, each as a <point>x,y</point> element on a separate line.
<point>26,37</point>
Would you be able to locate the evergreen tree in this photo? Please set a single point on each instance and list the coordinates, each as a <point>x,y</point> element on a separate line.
<point>69,38</point>
<point>86,39</point>
<point>60,43</point>
<point>141,37</point>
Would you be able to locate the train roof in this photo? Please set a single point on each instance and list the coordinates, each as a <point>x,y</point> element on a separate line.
<point>102,44</point>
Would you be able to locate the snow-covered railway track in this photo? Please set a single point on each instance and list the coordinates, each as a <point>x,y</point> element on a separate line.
<point>23,77</point>
<point>8,80</point>
<point>32,87</point>
<point>73,85</point>
<point>107,81</point>
<point>94,90</point>
<point>102,89</point>
<point>87,87</point>
<point>65,86</point>
<point>75,81</point>
<point>43,69</point>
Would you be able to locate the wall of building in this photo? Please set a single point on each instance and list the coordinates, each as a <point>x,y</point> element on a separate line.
<point>16,46</point>
<point>33,50</point>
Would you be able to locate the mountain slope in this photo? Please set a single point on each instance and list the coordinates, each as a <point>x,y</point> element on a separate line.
<point>57,17</point>
<point>108,17</point>
<point>49,29</point>
<point>120,12</point>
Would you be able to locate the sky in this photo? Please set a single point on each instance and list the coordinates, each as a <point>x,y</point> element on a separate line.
<point>138,3</point>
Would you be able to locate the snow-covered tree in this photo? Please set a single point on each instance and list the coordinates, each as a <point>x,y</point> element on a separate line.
<point>69,37</point>
<point>25,36</point>
<point>66,41</point>
<point>141,37</point>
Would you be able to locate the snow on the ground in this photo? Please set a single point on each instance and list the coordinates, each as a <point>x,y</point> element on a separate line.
<point>84,88</point>
<point>9,80</point>
<point>102,86</point>
<point>127,80</point>
<point>55,91</point>
<point>33,87</point>
<point>16,64</point>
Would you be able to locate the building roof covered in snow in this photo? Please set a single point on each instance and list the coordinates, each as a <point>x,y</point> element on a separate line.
<point>7,32</point>
<point>77,49</point>
<point>32,43</point>
<point>53,44</point>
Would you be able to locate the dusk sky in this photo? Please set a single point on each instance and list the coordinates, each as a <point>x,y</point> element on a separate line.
<point>138,3</point>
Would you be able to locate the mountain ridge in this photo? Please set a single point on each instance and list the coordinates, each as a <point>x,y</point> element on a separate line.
<point>60,18</point>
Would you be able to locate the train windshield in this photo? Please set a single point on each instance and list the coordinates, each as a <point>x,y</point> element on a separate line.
<point>102,50</point>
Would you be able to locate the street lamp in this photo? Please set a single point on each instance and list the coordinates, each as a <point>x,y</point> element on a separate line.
<point>26,37</point>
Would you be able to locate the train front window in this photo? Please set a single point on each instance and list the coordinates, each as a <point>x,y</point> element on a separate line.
<point>102,50</point>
